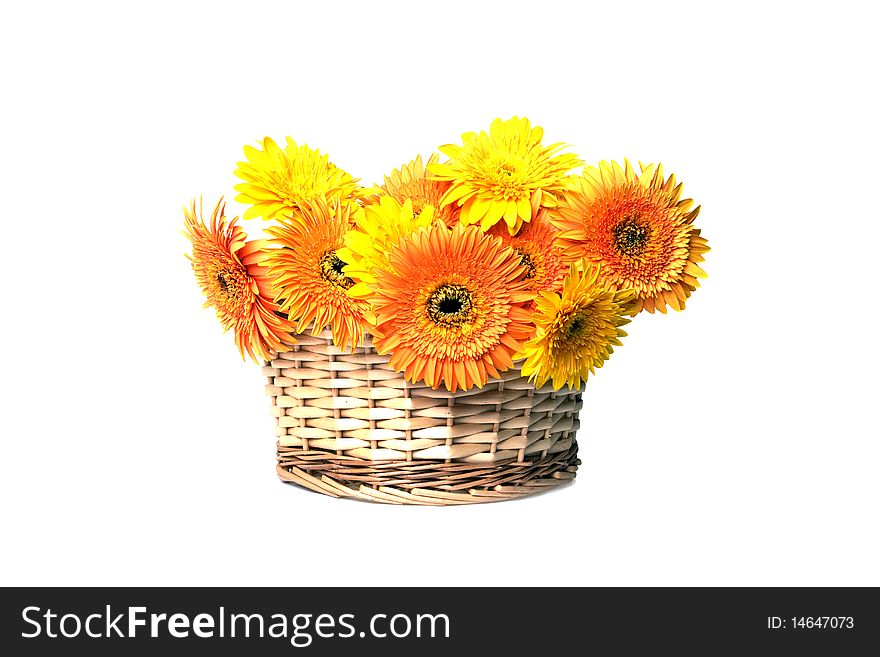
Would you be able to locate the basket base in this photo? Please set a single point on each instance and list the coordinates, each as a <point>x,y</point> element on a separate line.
<point>434,483</point>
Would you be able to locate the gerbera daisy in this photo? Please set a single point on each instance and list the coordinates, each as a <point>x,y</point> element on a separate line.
<point>411,182</point>
<point>278,181</point>
<point>545,263</point>
<point>576,331</point>
<point>638,228</point>
<point>230,272</point>
<point>378,228</point>
<point>307,273</point>
<point>506,173</point>
<point>450,307</point>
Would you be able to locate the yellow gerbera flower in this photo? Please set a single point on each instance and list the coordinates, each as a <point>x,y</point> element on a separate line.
<point>378,228</point>
<point>278,181</point>
<point>450,307</point>
<point>505,174</point>
<point>576,331</point>
<point>545,262</point>
<point>410,182</point>
<point>230,272</point>
<point>638,228</point>
<point>307,273</point>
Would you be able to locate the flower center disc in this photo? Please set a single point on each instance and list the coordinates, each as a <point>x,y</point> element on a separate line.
<point>631,236</point>
<point>331,270</point>
<point>526,261</point>
<point>580,327</point>
<point>228,284</point>
<point>450,305</point>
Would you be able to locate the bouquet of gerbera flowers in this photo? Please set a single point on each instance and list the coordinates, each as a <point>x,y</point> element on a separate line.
<point>457,269</point>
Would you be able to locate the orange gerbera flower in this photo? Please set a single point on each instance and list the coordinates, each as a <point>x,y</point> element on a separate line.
<point>544,261</point>
<point>450,306</point>
<point>638,228</point>
<point>230,272</point>
<point>410,182</point>
<point>307,273</point>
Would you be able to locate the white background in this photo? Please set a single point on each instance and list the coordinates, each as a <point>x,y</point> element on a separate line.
<point>735,443</point>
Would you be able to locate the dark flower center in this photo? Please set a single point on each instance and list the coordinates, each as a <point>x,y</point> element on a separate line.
<point>228,283</point>
<point>331,270</point>
<point>580,327</point>
<point>450,305</point>
<point>526,261</point>
<point>631,236</point>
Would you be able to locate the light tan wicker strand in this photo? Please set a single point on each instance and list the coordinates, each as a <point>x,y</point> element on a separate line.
<point>350,426</point>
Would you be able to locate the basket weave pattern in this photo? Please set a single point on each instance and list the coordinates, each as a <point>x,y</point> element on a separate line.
<point>350,426</point>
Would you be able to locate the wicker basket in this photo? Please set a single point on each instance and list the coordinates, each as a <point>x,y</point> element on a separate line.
<point>350,426</point>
